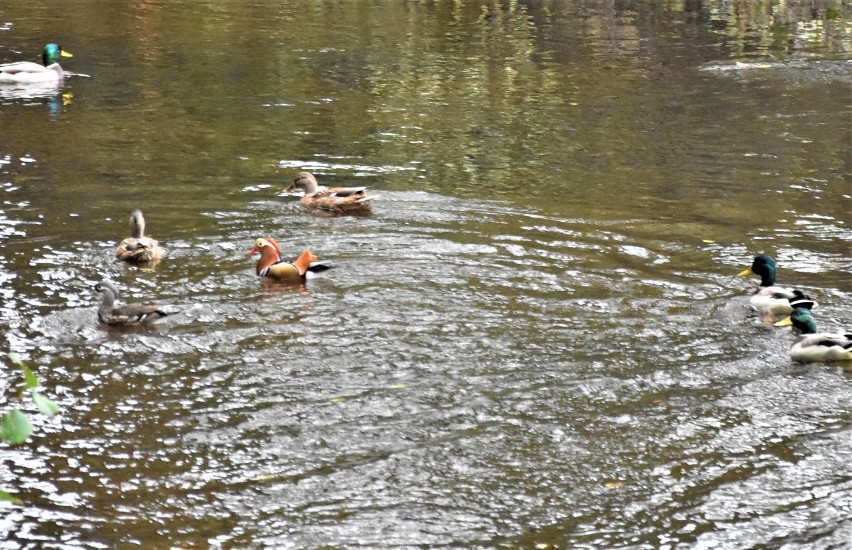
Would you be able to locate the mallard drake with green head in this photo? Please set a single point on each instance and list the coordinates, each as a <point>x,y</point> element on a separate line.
<point>771,300</point>
<point>27,72</point>
<point>813,346</point>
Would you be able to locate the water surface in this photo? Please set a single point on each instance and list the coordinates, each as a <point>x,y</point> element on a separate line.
<point>538,337</point>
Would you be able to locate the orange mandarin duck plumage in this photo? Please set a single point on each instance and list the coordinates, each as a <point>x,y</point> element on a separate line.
<point>271,264</point>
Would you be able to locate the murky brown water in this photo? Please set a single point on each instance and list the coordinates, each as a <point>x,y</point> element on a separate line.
<point>537,339</point>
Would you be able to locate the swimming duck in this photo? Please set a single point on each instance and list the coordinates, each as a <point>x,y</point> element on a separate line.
<point>769,299</point>
<point>271,265</point>
<point>129,314</point>
<point>138,249</point>
<point>27,72</point>
<point>814,346</point>
<point>336,199</point>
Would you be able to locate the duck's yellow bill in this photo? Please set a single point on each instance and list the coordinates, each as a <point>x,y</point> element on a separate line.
<point>784,322</point>
<point>745,272</point>
<point>63,53</point>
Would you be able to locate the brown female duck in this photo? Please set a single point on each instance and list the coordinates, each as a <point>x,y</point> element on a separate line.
<point>138,249</point>
<point>337,200</point>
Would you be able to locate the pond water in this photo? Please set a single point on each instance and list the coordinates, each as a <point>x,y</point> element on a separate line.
<point>537,339</point>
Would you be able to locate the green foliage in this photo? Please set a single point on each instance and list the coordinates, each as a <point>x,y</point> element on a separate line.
<point>9,498</point>
<point>15,427</point>
<point>47,406</point>
<point>30,380</point>
<point>31,383</point>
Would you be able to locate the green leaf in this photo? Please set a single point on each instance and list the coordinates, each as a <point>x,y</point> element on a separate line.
<point>14,427</point>
<point>9,498</point>
<point>45,405</point>
<point>30,380</point>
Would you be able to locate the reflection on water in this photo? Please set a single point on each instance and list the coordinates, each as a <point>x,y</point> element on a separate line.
<point>758,28</point>
<point>537,339</point>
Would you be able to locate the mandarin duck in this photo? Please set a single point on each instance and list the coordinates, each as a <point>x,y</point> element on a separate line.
<point>771,300</point>
<point>128,314</point>
<point>138,249</point>
<point>27,72</point>
<point>813,346</point>
<point>273,266</point>
<point>337,200</point>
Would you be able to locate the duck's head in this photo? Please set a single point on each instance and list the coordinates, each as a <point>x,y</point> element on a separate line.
<point>107,291</point>
<point>51,54</point>
<point>764,266</point>
<point>137,224</point>
<point>269,251</point>
<point>802,319</point>
<point>265,245</point>
<point>306,181</point>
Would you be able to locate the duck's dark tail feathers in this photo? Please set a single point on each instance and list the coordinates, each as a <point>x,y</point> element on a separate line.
<point>320,266</point>
<point>160,313</point>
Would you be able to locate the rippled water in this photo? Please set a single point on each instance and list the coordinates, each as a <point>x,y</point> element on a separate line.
<point>538,337</point>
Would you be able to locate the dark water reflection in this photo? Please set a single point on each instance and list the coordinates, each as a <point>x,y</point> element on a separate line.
<point>536,340</point>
